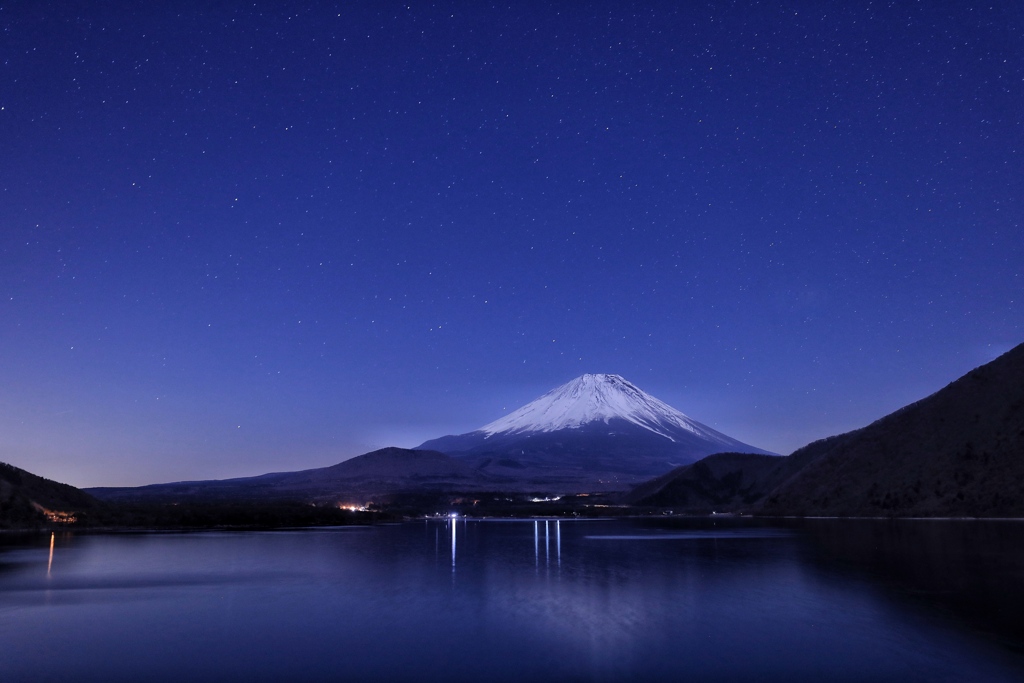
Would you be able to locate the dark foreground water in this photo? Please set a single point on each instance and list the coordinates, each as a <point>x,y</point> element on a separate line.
<point>689,600</point>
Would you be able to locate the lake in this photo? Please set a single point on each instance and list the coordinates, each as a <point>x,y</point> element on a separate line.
<point>714,599</point>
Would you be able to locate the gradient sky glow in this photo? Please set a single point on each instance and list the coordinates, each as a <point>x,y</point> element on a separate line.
<point>269,236</point>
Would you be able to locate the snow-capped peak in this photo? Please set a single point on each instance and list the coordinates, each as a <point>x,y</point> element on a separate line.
<point>598,398</point>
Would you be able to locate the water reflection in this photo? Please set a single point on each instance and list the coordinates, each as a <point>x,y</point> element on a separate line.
<point>457,529</point>
<point>558,535</point>
<point>547,544</point>
<point>618,601</point>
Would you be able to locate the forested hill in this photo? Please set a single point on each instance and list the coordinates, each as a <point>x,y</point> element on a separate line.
<point>28,500</point>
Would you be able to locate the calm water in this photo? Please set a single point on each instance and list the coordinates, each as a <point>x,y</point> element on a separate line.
<point>684,600</point>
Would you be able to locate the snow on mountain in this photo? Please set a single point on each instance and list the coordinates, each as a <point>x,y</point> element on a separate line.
<point>600,398</point>
<point>595,423</point>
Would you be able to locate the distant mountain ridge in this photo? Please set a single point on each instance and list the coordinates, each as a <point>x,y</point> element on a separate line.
<point>384,472</point>
<point>596,424</point>
<point>598,433</point>
<point>958,452</point>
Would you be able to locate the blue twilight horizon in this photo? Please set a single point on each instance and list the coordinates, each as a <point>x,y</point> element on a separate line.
<point>264,237</point>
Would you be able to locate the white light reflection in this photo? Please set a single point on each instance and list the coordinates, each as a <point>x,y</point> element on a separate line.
<point>547,543</point>
<point>558,541</point>
<point>454,524</point>
<point>536,544</point>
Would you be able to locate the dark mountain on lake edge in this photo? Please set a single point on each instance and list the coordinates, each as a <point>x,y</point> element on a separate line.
<point>28,500</point>
<point>717,482</point>
<point>597,429</point>
<point>725,481</point>
<point>958,452</point>
<point>381,473</point>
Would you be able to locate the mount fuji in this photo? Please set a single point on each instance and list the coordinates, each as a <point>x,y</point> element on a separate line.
<point>594,426</point>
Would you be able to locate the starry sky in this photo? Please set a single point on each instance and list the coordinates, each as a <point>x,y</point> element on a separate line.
<point>269,236</point>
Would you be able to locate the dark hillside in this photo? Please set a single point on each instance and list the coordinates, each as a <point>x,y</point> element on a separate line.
<point>727,481</point>
<point>28,500</point>
<point>958,452</point>
<point>370,476</point>
<point>717,482</point>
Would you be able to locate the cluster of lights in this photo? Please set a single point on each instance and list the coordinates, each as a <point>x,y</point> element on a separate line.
<point>57,515</point>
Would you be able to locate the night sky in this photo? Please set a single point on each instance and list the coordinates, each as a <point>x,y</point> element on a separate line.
<point>270,236</point>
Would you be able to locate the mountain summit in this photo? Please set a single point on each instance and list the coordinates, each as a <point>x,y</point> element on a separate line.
<point>602,398</point>
<point>595,424</point>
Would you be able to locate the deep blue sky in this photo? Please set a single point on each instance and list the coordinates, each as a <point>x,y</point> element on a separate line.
<point>259,237</point>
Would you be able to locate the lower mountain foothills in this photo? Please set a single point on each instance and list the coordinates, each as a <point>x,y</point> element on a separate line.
<point>590,448</point>
<point>28,501</point>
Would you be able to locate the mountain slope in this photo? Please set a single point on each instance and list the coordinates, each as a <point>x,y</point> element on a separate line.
<point>958,452</point>
<point>722,481</point>
<point>600,398</point>
<point>27,499</point>
<point>383,472</point>
<point>594,425</point>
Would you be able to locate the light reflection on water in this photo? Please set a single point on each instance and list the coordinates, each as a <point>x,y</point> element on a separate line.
<point>547,542</point>
<point>460,600</point>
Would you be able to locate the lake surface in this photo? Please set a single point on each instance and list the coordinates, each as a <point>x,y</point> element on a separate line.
<point>545,600</point>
